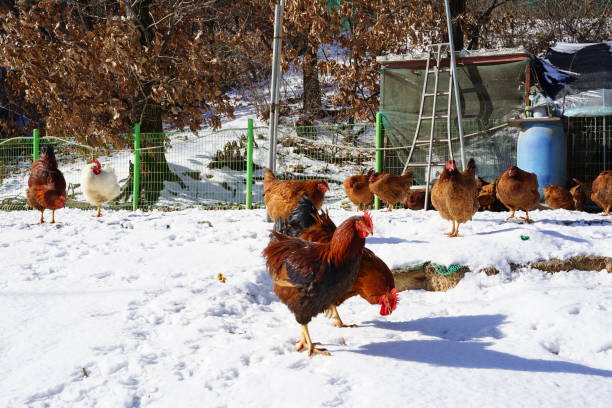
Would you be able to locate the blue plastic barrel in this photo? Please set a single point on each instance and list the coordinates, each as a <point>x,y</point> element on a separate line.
<point>542,149</point>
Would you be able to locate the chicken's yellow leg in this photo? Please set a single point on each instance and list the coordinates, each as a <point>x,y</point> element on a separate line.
<point>333,311</point>
<point>452,231</point>
<point>42,219</point>
<point>455,232</point>
<point>99,211</point>
<point>511,215</point>
<point>526,217</point>
<point>306,343</point>
<point>52,216</point>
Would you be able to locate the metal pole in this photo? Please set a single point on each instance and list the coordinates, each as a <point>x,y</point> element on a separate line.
<point>36,144</point>
<point>136,189</point>
<point>275,83</point>
<point>379,152</point>
<point>453,67</point>
<point>605,135</point>
<point>249,180</point>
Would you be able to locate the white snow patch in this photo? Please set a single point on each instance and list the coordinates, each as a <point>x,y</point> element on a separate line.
<point>131,299</point>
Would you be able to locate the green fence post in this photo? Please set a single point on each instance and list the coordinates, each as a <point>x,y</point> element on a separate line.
<point>379,153</point>
<point>36,144</point>
<point>249,186</point>
<point>136,189</point>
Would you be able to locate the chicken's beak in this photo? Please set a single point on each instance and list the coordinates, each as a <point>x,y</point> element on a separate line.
<point>369,230</point>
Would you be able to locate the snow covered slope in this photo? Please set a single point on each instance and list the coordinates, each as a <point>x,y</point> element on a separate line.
<point>125,311</point>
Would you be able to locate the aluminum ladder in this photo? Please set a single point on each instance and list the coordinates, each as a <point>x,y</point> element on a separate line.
<point>433,67</point>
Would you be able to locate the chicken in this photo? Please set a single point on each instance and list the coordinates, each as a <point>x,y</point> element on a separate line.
<point>416,200</point>
<point>601,191</point>
<point>557,197</point>
<point>375,282</point>
<point>46,185</point>
<point>454,195</point>
<point>518,190</point>
<point>487,197</point>
<point>358,191</point>
<point>310,277</point>
<point>391,189</point>
<point>579,193</point>
<point>99,184</point>
<point>281,196</point>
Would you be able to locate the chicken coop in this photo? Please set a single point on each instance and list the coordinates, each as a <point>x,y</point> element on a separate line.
<point>573,81</point>
<point>492,92</point>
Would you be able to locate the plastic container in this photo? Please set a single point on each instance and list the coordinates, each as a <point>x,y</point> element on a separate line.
<point>542,149</point>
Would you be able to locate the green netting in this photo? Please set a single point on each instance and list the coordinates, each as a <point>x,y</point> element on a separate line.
<point>490,96</point>
<point>439,268</point>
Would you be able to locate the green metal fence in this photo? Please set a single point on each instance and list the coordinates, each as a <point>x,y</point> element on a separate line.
<point>161,170</point>
<point>224,169</point>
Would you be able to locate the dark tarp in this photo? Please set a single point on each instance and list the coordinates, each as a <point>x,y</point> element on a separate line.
<point>578,78</point>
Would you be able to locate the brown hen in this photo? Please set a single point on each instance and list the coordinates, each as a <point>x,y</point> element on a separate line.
<point>391,189</point>
<point>46,185</point>
<point>518,190</point>
<point>357,190</point>
<point>557,197</point>
<point>281,196</point>
<point>454,195</point>
<point>580,193</point>
<point>601,191</point>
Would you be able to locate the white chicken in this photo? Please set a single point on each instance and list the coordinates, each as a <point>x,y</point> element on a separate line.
<point>99,184</point>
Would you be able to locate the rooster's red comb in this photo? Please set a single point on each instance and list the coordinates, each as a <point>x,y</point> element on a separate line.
<point>96,162</point>
<point>368,219</point>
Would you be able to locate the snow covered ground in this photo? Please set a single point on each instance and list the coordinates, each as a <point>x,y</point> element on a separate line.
<point>125,311</point>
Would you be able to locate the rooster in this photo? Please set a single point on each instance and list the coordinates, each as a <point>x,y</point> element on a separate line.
<point>310,277</point>
<point>46,185</point>
<point>454,195</point>
<point>601,191</point>
<point>518,190</point>
<point>99,184</point>
<point>357,190</point>
<point>391,189</point>
<point>375,282</point>
<point>281,196</point>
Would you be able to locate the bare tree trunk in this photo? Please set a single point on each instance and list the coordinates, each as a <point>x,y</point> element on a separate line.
<point>154,169</point>
<point>311,98</point>
<point>457,7</point>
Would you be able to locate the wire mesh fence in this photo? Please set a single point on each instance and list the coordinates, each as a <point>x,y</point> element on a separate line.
<point>331,152</point>
<point>590,146</point>
<point>15,160</point>
<point>208,169</point>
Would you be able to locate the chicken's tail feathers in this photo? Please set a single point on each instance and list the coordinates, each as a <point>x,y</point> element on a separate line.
<point>49,156</point>
<point>303,216</point>
<point>268,175</point>
<point>280,226</point>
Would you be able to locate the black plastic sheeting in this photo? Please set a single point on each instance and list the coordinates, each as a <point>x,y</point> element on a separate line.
<point>571,68</point>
